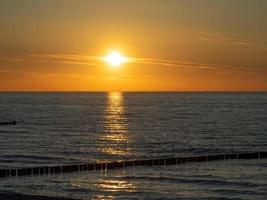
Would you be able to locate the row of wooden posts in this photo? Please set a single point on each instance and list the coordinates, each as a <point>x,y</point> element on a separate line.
<point>104,166</point>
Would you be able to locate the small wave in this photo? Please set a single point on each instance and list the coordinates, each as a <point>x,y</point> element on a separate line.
<point>239,191</point>
<point>27,157</point>
<point>194,180</point>
<point>79,190</point>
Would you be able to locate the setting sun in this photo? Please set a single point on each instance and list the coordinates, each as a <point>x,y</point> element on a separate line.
<point>101,99</point>
<point>115,59</point>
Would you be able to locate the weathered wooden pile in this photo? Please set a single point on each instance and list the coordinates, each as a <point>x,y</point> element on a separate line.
<point>8,123</point>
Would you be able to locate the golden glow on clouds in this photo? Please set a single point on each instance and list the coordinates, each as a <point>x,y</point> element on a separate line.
<point>85,72</point>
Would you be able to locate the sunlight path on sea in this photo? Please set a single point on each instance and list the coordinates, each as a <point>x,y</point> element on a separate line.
<point>114,143</point>
<point>116,134</point>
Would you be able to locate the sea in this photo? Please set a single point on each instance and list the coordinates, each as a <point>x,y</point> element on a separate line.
<point>80,127</point>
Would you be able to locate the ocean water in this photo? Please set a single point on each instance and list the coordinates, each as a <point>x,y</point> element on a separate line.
<point>64,128</point>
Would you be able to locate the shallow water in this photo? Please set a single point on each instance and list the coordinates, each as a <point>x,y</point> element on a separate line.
<point>63,128</point>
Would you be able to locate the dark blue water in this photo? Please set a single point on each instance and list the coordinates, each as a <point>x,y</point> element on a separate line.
<point>63,128</point>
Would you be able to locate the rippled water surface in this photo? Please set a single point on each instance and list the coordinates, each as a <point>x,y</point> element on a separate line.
<point>63,128</point>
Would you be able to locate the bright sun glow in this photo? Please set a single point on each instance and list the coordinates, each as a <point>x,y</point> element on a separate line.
<point>115,59</point>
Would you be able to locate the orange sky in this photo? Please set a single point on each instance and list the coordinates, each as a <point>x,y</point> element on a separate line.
<point>176,45</point>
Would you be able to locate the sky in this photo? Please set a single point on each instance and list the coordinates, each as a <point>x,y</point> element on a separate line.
<point>172,45</point>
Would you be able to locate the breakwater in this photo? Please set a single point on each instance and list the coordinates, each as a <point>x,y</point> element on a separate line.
<point>104,166</point>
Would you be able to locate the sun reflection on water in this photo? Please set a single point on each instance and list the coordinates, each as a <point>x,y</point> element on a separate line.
<point>115,136</point>
<point>116,186</point>
<point>104,184</point>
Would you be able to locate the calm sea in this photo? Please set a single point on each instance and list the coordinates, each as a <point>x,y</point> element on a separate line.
<point>64,128</point>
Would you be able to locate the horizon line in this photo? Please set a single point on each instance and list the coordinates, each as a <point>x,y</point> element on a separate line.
<point>134,91</point>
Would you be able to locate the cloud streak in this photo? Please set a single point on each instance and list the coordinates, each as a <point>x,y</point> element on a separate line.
<point>94,60</point>
<point>231,40</point>
<point>76,59</point>
<point>33,73</point>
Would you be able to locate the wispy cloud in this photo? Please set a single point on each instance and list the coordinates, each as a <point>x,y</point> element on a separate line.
<point>34,73</point>
<point>76,59</point>
<point>172,63</point>
<point>230,39</point>
<point>10,59</point>
<point>72,59</point>
<point>94,60</point>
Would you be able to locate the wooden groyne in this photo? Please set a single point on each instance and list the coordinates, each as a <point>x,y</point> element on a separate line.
<point>104,166</point>
<point>8,123</point>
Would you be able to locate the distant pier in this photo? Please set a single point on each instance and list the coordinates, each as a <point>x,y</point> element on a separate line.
<point>105,166</point>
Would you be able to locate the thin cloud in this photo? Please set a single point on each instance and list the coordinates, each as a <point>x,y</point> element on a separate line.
<point>71,59</point>
<point>34,73</point>
<point>93,60</point>
<point>231,40</point>
<point>172,63</point>
<point>76,59</point>
<point>214,36</point>
<point>12,59</point>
